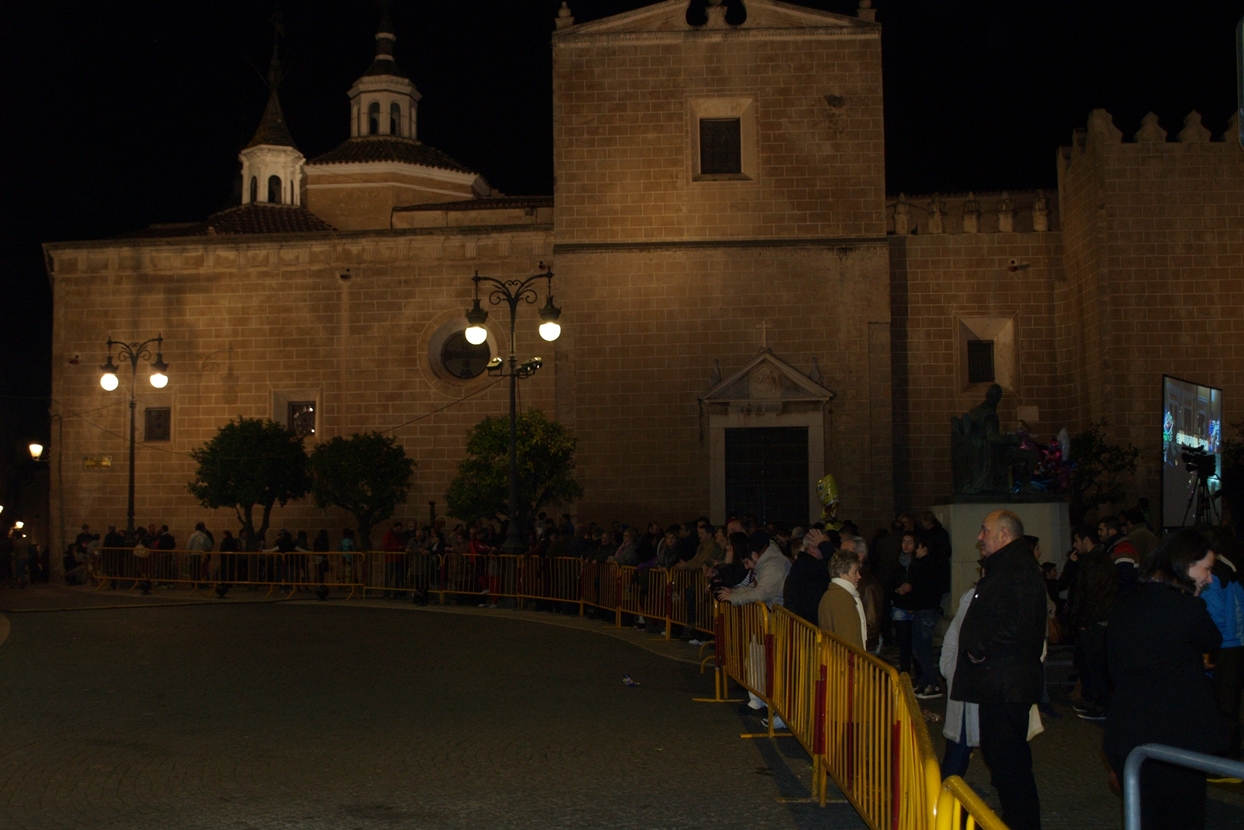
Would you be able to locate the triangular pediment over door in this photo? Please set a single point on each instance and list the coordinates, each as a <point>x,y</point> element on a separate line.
<point>767,401</point>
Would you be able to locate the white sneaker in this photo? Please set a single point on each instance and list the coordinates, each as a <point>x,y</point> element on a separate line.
<point>777,722</point>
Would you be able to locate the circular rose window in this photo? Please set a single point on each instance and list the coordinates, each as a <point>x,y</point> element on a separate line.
<point>461,359</point>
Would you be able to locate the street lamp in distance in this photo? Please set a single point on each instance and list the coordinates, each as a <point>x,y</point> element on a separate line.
<point>512,293</point>
<point>133,352</point>
<point>36,451</point>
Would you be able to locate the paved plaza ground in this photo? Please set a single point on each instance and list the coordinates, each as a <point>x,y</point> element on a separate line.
<point>250,714</point>
<point>302,714</point>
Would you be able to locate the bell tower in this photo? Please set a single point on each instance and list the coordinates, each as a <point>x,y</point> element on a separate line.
<point>383,101</point>
<point>271,164</point>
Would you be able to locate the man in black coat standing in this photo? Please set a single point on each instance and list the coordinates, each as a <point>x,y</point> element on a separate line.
<point>999,663</point>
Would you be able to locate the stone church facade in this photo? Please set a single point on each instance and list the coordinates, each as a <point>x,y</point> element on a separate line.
<point>744,308</point>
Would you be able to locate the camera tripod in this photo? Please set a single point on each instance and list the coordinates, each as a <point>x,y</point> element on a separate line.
<point>1200,494</point>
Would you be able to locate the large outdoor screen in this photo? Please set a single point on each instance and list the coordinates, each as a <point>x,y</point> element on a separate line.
<point>1191,436</point>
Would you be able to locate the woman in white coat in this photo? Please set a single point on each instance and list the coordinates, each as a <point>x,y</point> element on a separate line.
<point>962,728</point>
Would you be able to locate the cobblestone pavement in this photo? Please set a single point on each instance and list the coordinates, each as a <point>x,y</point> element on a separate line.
<point>294,714</point>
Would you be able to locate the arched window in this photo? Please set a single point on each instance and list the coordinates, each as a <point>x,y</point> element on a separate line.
<point>274,189</point>
<point>254,190</point>
<point>395,119</point>
<point>373,118</point>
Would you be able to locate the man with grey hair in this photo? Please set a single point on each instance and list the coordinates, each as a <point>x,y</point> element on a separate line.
<point>999,662</point>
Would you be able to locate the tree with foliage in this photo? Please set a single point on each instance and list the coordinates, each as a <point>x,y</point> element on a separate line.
<point>250,462</point>
<point>545,468</point>
<point>367,475</point>
<point>1100,467</point>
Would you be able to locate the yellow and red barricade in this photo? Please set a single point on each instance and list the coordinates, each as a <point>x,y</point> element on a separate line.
<point>960,808</point>
<point>856,715</point>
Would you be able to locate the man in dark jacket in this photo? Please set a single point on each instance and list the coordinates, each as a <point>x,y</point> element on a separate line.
<point>999,663</point>
<point>1096,587</point>
<point>808,578</point>
<point>1121,551</point>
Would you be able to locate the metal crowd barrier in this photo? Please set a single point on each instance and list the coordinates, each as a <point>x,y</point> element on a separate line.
<point>678,597</point>
<point>1172,755</point>
<point>855,715</point>
<point>960,808</point>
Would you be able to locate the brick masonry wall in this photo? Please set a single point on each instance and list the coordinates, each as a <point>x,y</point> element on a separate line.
<point>245,319</point>
<point>935,280</point>
<point>643,328</point>
<point>622,133</point>
<point>1171,282</point>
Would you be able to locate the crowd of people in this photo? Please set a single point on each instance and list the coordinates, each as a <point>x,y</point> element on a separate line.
<point>1157,623</point>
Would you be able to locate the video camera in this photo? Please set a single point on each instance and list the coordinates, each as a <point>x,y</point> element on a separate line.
<point>1200,462</point>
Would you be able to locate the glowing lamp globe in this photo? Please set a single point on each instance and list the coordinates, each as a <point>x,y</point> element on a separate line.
<point>550,330</point>
<point>475,335</point>
<point>36,451</point>
<point>109,381</point>
<point>159,380</point>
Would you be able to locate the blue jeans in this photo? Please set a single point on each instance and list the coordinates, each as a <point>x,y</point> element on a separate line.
<point>924,623</point>
<point>958,753</point>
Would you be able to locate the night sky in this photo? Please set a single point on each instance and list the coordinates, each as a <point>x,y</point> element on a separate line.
<point>124,113</point>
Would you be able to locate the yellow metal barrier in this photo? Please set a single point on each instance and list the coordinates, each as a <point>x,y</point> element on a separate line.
<point>142,569</point>
<point>855,714</point>
<point>691,605</point>
<point>742,642</point>
<point>799,687</point>
<point>960,808</point>
<point>645,593</point>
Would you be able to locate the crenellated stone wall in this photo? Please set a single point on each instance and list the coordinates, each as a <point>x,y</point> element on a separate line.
<point>1155,279</point>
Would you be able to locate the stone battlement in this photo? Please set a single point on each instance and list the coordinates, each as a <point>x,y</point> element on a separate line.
<point>1025,211</point>
<point>1100,130</point>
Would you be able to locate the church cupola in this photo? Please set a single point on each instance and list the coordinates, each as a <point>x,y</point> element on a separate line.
<point>383,101</point>
<point>271,165</point>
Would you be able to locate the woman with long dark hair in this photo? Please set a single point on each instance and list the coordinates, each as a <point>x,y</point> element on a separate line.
<point>1156,640</point>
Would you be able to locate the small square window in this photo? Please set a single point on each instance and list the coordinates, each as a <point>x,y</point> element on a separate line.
<point>720,146</point>
<point>302,417</point>
<point>980,361</point>
<point>157,424</point>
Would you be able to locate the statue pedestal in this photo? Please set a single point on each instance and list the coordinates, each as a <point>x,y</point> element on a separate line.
<point>1048,520</point>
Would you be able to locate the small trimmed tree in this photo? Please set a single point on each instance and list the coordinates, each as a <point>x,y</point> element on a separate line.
<point>367,475</point>
<point>250,462</point>
<point>545,468</point>
<point>1100,467</point>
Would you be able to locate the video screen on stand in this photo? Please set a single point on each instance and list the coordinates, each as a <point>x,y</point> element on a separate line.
<point>1191,459</point>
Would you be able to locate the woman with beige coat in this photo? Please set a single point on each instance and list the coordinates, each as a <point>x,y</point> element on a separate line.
<point>841,612</point>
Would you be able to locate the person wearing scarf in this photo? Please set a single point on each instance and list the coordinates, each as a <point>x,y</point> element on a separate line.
<point>841,612</point>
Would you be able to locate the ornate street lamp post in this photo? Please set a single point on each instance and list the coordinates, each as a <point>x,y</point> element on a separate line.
<point>513,292</point>
<point>134,352</point>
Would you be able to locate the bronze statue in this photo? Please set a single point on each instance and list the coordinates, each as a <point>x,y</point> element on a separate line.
<point>981,453</point>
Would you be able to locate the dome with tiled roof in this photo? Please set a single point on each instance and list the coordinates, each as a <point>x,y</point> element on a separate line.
<point>383,148</point>
<point>239,220</point>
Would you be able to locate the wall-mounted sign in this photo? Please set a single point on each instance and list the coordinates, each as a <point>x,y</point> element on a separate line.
<point>97,462</point>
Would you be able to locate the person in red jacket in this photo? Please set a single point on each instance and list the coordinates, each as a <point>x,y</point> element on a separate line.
<point>393,545</point>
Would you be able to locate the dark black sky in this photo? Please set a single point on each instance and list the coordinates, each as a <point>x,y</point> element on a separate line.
<point>124,113</point>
